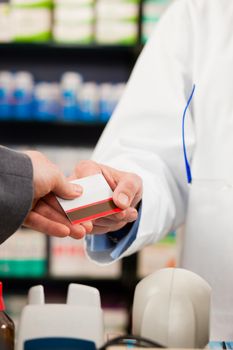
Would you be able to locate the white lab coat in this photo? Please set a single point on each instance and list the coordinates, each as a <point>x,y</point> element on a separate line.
<point>192,44</point>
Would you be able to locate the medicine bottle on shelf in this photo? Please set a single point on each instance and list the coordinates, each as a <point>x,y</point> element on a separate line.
<point>7,328</point>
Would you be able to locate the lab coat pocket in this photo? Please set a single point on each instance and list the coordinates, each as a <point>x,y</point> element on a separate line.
<point>208,245</point>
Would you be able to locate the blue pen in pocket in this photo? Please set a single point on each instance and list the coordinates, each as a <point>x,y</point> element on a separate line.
<point>187,165</point>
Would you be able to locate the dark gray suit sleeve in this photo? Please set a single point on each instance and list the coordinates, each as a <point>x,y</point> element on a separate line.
<point>16,190</point>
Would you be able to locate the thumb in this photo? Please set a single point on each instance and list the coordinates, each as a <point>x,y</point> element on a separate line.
<point>65,189</point>
<point>128,190</point>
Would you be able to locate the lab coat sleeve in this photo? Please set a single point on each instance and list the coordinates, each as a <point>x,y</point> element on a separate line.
<point>144,135</point>
<point>102,248</point>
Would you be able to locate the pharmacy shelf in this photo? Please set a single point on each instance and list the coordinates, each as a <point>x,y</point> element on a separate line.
<point>126,282</point>
<point>20,285</point>
<point>49,60</point>
<point>52,46</point>
<point>49,133</point>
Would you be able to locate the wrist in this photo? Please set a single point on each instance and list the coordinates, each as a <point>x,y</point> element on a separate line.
<point>117,236</point>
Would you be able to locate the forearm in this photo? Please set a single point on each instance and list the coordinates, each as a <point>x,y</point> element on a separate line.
<point>161,210</point>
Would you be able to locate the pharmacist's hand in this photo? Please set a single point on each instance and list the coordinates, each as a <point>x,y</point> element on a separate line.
<point>127,194</point>
<point>47,178</point>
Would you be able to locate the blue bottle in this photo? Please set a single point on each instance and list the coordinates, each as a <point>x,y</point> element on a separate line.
<point>23,96</point>
<point>89,103</point>
<point>105,102</point>
<point>6,87</point>
<point>47,102</point>
<point>70,86</point>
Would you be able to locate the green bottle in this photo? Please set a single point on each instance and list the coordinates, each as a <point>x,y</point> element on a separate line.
<point>7,327</point>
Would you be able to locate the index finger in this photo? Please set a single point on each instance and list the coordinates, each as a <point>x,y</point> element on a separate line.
<point>128,191</point>
<point>51,200</point>
<point>85,168</point>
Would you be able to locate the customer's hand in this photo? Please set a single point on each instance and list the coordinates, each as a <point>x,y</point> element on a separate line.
<point>127,194</point>
<point>46,215</point>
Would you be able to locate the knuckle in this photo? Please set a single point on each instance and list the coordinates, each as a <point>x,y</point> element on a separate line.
<point>120,216</point>
<point>88,227</point>
<point>40,156</point>
<point>133,182</point>
<point>43,209</point>
<point>37,153</point>
<point>81,164</point>
<point>86,167</point>
<point>78,232</point>
<point>138,179</point>
<point>130,184</point>
<point>86,163</point>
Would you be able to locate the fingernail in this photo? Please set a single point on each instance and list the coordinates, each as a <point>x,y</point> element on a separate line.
<point>78,189</point>
<point>123,199</point>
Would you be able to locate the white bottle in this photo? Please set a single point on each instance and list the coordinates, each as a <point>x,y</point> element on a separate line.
<point>6,88</point>
<point>47,101</point>
<point>71,83</point>
<point>118,93</point>
<point>55,100</point>
<point>89,102</point>
<point>106,92</point>
<point>23,94</point>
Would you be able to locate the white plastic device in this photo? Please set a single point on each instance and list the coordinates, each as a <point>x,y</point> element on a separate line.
<point>172,307</point>
<point>80,318</point>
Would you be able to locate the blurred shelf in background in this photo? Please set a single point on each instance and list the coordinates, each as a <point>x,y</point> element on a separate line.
<point>50,133</point>
<point>101,66</point>
<point>95,53</point>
